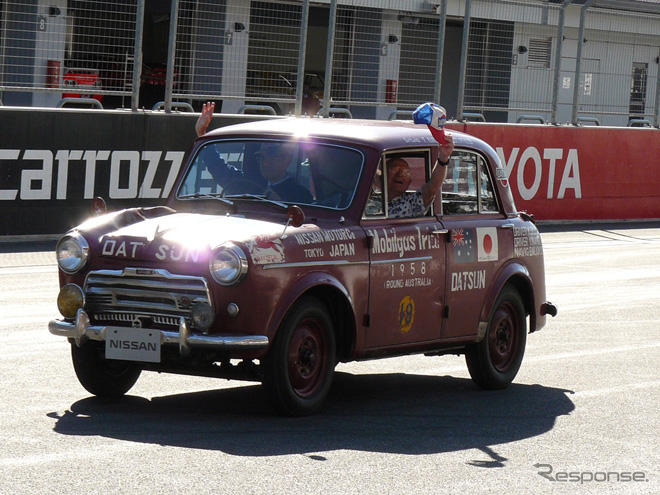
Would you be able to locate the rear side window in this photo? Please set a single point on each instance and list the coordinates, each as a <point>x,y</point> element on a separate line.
<point>468,188</point>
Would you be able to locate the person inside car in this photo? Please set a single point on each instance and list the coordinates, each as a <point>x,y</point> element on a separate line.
<point>403,203</point>
<point>273,159</point>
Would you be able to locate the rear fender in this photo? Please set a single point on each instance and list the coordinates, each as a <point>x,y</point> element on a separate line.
<point>517,275</point>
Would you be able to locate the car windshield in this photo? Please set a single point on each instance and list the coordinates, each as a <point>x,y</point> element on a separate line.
<point>284,171</point>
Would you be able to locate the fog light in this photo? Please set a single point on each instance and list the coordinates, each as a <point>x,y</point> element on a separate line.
<point>202,316</point>
<point>70,300</point>
<point>232,309</point>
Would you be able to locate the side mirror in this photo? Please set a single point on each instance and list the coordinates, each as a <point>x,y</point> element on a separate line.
<point>98,206</point>
<point>295,216</point>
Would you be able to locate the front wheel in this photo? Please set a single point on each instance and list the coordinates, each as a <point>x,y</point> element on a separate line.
<point>102,377</point>
<point>299,367</point>
<point>494,362</point>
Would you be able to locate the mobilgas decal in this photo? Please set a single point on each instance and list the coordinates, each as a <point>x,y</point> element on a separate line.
<point>554,160</point>
<point>130,174</point>
<point>264,250</point>
<point>526,241</point>
<point>387,241</point>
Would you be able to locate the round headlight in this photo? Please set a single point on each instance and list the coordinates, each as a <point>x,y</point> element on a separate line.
<point>70,300</point>
<point>228,265</point>
<point>72,251</point>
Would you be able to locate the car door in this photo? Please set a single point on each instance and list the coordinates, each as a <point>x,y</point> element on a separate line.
<point>478,236</point>
<point>406,265</point>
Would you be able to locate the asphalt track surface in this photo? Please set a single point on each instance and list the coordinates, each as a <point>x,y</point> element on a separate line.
<point>583,415</point>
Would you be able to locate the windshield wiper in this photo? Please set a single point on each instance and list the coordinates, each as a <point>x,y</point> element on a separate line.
<point>216,196</point>
<point>260,197</point>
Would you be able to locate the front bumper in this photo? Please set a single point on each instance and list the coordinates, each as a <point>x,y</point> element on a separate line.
<point>81,330</point>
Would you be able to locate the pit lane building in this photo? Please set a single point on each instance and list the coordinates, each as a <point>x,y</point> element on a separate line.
<point>593,61</point>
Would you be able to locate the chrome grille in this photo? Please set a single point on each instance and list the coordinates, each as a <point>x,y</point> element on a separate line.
<point>120,296</point>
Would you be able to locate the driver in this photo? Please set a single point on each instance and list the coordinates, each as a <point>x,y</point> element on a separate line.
<point>273,158</point>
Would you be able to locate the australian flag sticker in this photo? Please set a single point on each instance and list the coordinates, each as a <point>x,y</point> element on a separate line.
<point>463,245</point>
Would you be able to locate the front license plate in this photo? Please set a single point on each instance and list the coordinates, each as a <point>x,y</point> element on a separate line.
<point>131,344</point>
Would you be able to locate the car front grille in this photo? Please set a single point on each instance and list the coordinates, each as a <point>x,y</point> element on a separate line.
<point>142,297</point>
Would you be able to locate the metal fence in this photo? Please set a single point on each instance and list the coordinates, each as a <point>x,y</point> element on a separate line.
<point>496,60</point>
<point>67,49</point>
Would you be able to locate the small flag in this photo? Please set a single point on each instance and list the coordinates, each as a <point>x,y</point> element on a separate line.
<point>462,242</point>
<point>487,249</point>
<point>435,117</point>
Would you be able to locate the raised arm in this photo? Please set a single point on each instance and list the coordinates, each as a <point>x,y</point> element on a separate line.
<point>431,188</point>
<point>204,118</point>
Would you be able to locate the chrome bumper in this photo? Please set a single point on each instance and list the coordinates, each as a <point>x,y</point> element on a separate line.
<point>81,330</point>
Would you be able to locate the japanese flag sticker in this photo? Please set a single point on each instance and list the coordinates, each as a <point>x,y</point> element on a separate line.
<point>487,244</point>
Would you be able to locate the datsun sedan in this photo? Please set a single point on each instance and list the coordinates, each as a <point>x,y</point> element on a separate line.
<point>245,277</point>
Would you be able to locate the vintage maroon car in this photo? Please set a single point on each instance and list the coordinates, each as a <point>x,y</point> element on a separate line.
<point>237,279</point>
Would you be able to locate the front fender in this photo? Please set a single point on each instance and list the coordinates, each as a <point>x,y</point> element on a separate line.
<point>308,283</point>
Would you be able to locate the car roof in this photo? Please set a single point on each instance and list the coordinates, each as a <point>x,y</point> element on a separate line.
<point>380,134</point>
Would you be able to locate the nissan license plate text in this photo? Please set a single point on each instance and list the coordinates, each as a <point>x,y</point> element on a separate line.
<point>130,344</point>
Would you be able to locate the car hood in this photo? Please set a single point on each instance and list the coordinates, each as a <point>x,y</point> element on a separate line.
<point>183,236</point>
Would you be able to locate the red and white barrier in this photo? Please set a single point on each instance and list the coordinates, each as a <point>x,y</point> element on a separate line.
<point>578,173</point>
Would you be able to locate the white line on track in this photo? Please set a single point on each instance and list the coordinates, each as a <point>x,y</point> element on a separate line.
<point>67,456</point>
<point>613,390</point>
<point>18,270</point>
<point>592,352</point>
<point>551,357</point>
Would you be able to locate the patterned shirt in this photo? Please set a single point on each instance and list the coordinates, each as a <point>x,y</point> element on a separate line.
<point>409,204</point>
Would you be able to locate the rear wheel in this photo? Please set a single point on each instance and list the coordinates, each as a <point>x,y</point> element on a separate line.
<point>102,377</point>
<point>299,367</point>
<point>494,362</point>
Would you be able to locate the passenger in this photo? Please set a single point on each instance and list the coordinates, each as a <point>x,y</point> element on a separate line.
<point>273,157</point>
<point>403,203</point>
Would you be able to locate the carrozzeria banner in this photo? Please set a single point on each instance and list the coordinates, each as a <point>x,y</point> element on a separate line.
<point>54,162</point>
<point>585,173</point>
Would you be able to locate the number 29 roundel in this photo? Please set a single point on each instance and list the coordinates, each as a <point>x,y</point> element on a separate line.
<point>406,314</point>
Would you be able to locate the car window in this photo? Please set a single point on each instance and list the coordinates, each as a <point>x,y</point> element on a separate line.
<point>467,188</point>
<point>397,183</point>
<point>288,171</point>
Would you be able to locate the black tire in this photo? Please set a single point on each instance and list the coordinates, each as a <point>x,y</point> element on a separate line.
<point>102,377</point>
<point>494,362</point>
<point>300,365</point>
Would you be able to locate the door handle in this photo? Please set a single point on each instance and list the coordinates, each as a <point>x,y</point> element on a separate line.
<point>506,226</point>
<point>440,231</point>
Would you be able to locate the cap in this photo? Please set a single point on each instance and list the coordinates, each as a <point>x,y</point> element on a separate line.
<point>434,116</point>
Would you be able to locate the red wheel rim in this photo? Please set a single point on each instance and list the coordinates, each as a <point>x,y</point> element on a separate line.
<point>504,338</point>
<point>308,357</point>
